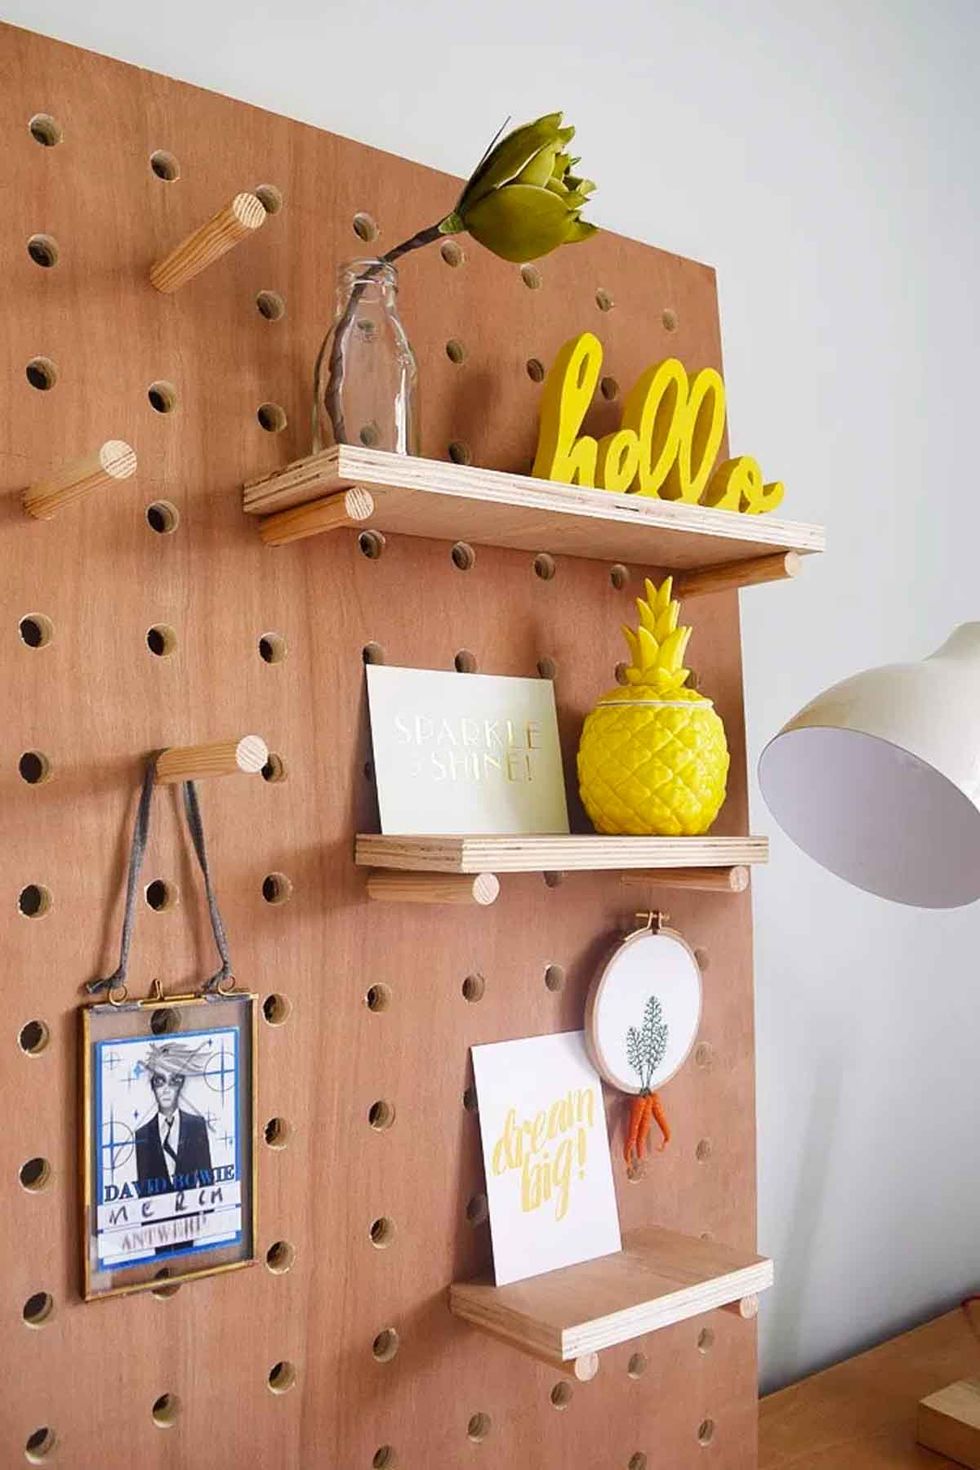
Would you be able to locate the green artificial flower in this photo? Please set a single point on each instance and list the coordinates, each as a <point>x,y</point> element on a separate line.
<point>523,201</point>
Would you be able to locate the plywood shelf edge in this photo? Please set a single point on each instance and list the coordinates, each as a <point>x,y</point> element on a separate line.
<point>443,501</point>
<point>550,854</point>
<point>659,1278</point>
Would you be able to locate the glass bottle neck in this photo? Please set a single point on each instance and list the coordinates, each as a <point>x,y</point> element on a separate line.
<point>372,282</point>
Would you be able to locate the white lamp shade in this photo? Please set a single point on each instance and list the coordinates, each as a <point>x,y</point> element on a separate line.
<point>878,778</point>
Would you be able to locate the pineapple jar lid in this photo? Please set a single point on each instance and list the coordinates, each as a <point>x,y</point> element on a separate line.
<point>643,1011</point>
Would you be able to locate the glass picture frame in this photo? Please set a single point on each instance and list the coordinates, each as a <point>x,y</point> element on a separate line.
<point>168,1140</point>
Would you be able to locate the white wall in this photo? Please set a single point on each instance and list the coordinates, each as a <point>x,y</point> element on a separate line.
<point>825,158</point>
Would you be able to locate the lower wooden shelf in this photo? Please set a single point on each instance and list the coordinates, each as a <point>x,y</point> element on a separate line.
<point>551,854</point>
<point>659,1277</point>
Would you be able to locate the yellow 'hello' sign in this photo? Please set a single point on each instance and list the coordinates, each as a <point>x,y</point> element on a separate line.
<point>667,442</point>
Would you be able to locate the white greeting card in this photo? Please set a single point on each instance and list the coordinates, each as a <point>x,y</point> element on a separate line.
<point>465,753</point>
<point>546,1155</point>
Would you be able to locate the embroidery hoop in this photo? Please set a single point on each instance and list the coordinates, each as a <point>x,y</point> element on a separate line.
<point>605,1006</point>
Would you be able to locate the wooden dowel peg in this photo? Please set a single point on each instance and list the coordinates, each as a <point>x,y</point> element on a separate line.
<point>750,573</point>
<point>247,753</point>
<point>114,460</point>
<point>704,880</point>
<point>388,886</point>
<point>244,214</point>
<point>747,1308</point>
<point>347,508</point>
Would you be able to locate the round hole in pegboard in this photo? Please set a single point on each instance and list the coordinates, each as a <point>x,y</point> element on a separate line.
<point>275,768</point>
<point>553,879</point>
<point>271,417</point>
<point>280,1257</point>
<point>703,1150</point>
<point>166,1287</point>
<point>282,1376</point>
<point>455,351</point>
<point>165,165</point>
<point>161,640</point>
<point>706,1341</point>
<point>42,373</point>
<point>36,630</point>
<point>277,1132</point>
<point>452,254</point>
<point>272,648</point>
<point>702,958</point>
<point>40,1446</point>
<point>38,1309</point>
<point>370,434</point>
<point>470,1102</point>
<point>620,673</point>
<point>603,300</point>
<point>371,544</point>
<point>535,370</point>
<point>162,396</point>
<point>561,1395</point>
<point>706,1431</point>
<point>270,198</point>
<point>531,277</point>
<point>34,900</point>
<point>479,1427</point>
<point>45,129</point>
<point>464,662</point>
<point>165,1411</point>
<point>547,668</point>
<point>378,997</point>
<point>463,556</point>
<point>277,1008</point>
<point>619,575</point>
<point>34,767</point>
<point>373,653</point>
<point>35,1175</point>
<point>474,987</point>
<point>706,1235</point>
<point>277,888</point>
<point>164,1021</point>
<point>161,895</point>
<point>544,566</point>
<point>385,1345</point>
<point>637,1365</point>
<point>43,250</point>
<point>163,517</point>
<point>270,305</point>
<point>381,1232</point>
<point>384,1458</point>
<point>609,388</point>
<point>33,1037</point>
<point>369,770</point>
<point>637,1461</point>
<point>365,227</point>
<point>381,1115</point>
<point>669,318</point>
<point>554,978</point>
<point>459,452</point>
<point>477,1210</point>
<point>703,1054</point>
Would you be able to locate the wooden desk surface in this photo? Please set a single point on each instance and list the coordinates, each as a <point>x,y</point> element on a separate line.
<point>860,1414</point>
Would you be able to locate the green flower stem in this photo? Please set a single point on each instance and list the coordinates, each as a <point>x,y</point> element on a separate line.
<point>335,382</point>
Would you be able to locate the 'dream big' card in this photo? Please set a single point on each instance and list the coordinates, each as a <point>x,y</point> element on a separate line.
<point>546,1154</point>
<point>465,753</point>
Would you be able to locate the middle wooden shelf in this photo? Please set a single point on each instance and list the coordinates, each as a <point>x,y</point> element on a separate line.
<point>553,853</point>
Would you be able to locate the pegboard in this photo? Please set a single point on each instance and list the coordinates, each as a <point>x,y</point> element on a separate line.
<point>364,1002</point>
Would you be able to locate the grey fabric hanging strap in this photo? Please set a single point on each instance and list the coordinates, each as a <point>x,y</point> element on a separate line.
<point>137,851</point>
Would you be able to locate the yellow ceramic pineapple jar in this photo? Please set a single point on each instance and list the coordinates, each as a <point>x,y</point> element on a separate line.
<point>653,758</point>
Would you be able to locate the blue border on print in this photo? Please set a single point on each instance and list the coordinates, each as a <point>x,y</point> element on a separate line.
<point>102,1269</point>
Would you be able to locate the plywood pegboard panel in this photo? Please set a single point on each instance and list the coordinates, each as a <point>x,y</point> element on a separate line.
<point>95,700</point>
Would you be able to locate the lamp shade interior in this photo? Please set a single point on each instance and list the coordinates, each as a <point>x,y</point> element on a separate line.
<point>874,814</point>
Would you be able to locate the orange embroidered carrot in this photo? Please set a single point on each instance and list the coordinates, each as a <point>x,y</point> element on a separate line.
<point>638,1108</point>
<point>656,1110</point>
<point>641,1138</point>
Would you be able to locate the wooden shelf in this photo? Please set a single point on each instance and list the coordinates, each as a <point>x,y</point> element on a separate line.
<point>659,1277</point>
<point>545,854</point>
<point>422,497</point>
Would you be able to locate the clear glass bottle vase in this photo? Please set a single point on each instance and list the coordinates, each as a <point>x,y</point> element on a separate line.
<point>366,379</point>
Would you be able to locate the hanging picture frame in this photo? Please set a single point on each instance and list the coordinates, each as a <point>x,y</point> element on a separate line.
<point>168,1100</point>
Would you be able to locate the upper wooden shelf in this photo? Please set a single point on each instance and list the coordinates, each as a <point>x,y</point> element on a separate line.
<point>548,854</point>
<point>350,486</point>
<point>659,1277</point>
